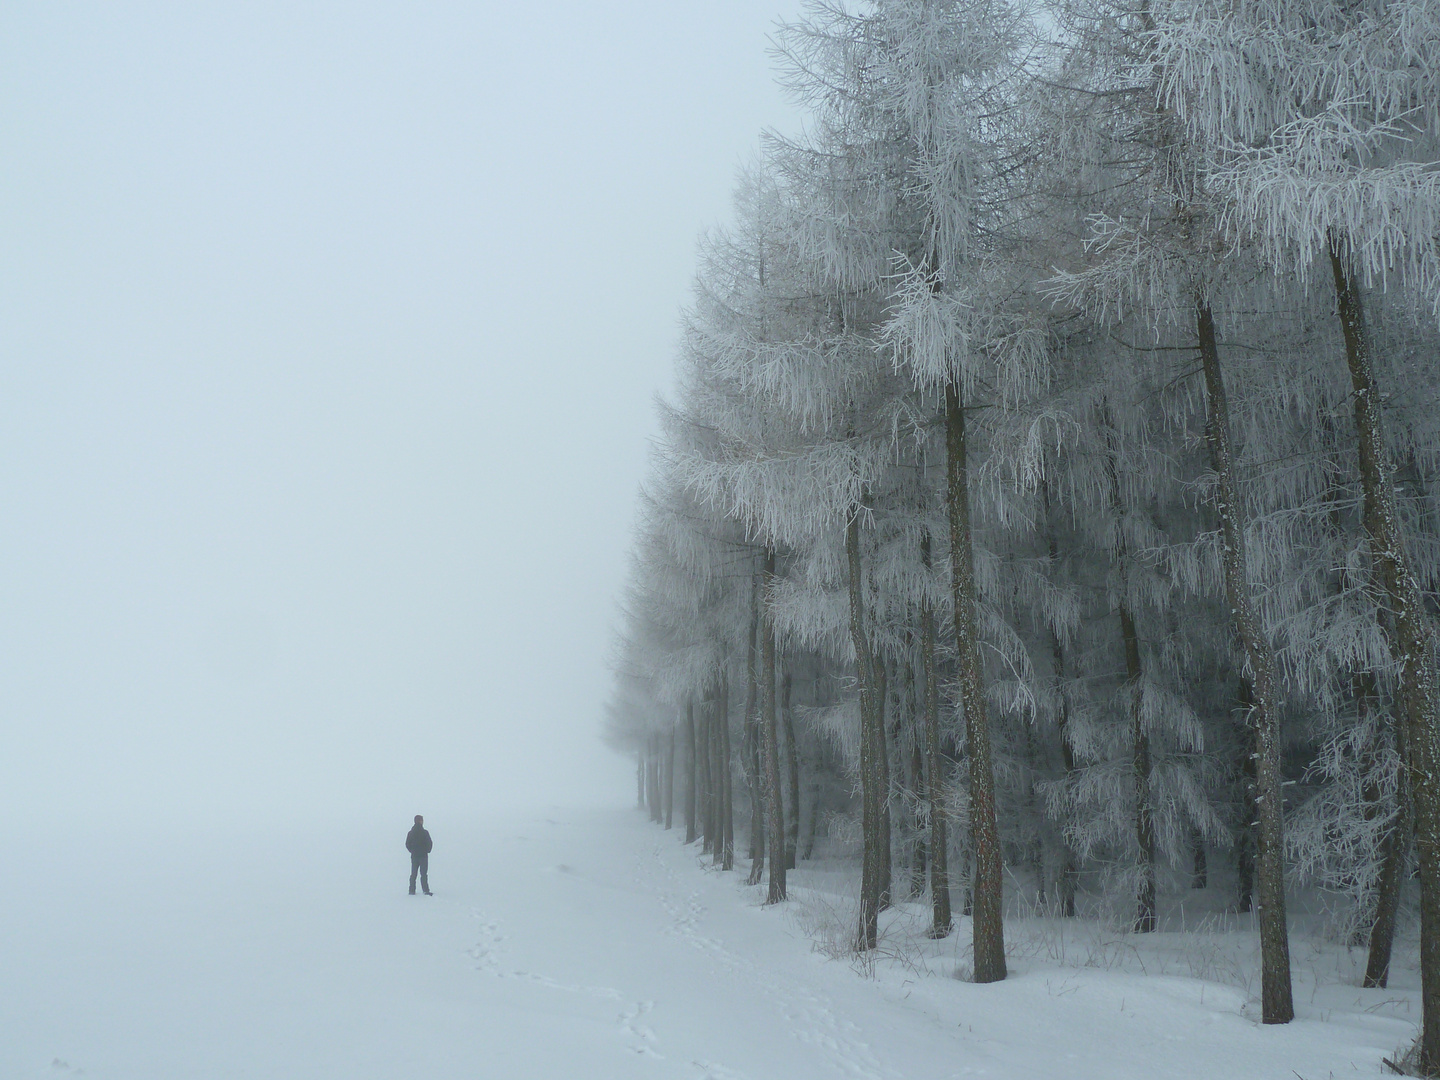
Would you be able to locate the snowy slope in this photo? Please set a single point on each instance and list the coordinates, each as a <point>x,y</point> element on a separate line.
<point>573,945</point>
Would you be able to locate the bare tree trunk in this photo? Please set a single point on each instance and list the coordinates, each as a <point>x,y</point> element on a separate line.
<point>1069,876</point>
<point>910,793</point>
<point>870,779</point>
<point>941,922</point>
<point>691,771</point>
<point>815,790</point>
<point>1395,860</point>
<point>1065,883</point>
<point>1199,866</point>
<point>670,780</point>
<point>1277,1006</point>
<point>1068,880</point>
<point>750,744</point>
<point>792,762</point>
<point>770,738</point>
<point>1410,637</point>
<point>882,755</point>
<point>1145,920</point>
<point>1396,852</point>
<point>988,921</point>
<point>652,778</point>
<point>705,780</point>
<point>1145,916</point>
<point>707,768</point>
<point>920,864</point>
<point>1037,813</point>
<point>727,787</point>
<point>719,766</point>
<point>1245,833</point>
<point>809,848</point>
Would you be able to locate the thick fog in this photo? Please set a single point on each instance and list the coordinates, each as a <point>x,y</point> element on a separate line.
<point>330,337</point>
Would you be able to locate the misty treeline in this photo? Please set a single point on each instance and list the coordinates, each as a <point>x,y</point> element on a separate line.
<point>1049,483</point>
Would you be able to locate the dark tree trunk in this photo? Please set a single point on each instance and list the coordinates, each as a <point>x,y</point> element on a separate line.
<point>941,922</point>
<point>1037,813</point>
<point>750,745</point>
<point>691,771</point>
<point>1276,1006</point>
<point>988,921</point>
<point>1145,916</point>
<point>727,797</point>
<point>1395,861</point>
<point>1199,865</point>
<point>908,737</point>
<point>1396,851</point>
<point>809,848</point>
<point>882,747</point>
<point>870,720</point>
<point>1065,883</point>
<point>1145,921</point>
<point>1068,881</point>
<point>652,780</point>
<point>720,768</point>
<point>670,780</point>
<point>920,863</point>
<point>707,768</point>
<point>1410,638</point>
<point>770,738</point>
<point>1245,833</point>
<point>792,770</point>
<point>704,781</point>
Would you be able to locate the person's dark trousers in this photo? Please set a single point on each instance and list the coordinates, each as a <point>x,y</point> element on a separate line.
<point>420,864</point>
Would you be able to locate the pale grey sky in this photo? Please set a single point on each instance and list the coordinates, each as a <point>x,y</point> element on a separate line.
<point>329,338</point>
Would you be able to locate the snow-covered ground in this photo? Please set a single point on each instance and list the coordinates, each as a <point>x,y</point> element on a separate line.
<point>586,945</point>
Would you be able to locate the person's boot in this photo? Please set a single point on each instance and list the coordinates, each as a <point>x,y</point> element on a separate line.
<point>412,890</point>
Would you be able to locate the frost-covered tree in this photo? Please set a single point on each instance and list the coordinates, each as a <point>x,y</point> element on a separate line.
<point>1153,252</point>
<point>1006,428</point>
<point>917,91</point>
<point>1321,120</point>
<point>786,388</point>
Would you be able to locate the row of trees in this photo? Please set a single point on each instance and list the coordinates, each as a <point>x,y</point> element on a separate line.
<point>1050,462</point>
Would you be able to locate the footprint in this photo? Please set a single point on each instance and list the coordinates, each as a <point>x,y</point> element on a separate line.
<point>486,953</point>
<point>709,1070</point>
<point>639,1035</point>
<point>682,922</point>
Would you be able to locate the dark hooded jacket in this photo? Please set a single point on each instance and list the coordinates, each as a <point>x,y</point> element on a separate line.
<point>417,841</point>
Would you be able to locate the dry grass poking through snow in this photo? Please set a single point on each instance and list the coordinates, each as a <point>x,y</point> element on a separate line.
<point>1203,951</point>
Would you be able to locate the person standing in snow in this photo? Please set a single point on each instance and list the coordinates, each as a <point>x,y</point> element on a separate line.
<point>417,842</point>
